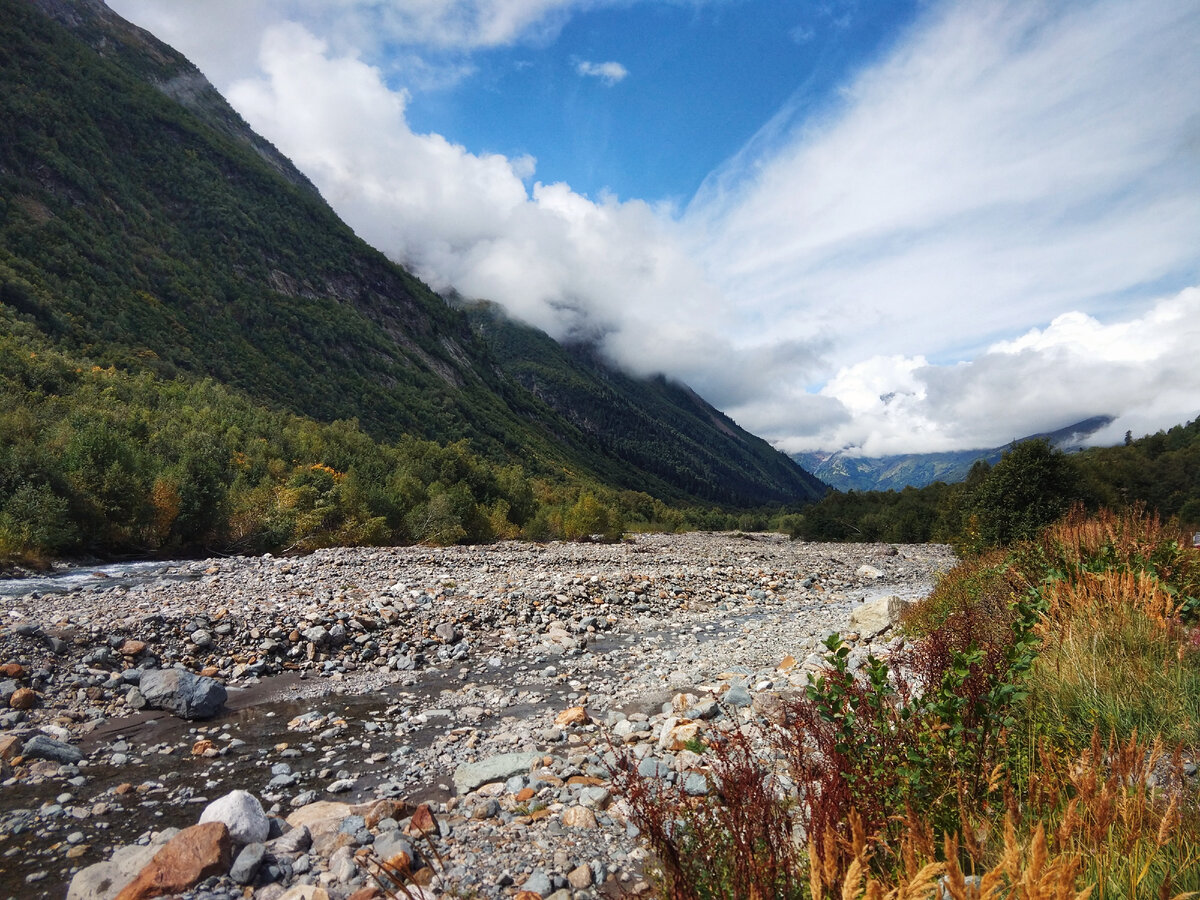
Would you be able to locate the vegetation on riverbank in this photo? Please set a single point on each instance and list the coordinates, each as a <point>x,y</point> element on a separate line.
<point>1034,740</point>
<point>1027,489</point>
<point>96,460</point>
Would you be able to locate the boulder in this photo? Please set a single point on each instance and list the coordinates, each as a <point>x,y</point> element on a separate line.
<point>469,776</point>
<point>42,747</point>
<point>242,814</point>
<point>104,880</point>
<point>191,856</point>
<point>876,616</point>
<point>183,693</point>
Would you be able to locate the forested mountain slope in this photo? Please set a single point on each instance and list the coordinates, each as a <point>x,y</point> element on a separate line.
<point>144,226</point>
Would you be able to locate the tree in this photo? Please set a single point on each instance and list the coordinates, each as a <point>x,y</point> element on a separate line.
<point>1031,486</point>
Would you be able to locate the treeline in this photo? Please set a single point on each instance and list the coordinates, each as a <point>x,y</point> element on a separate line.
<point>99,461</point>
<point>1030,487</point>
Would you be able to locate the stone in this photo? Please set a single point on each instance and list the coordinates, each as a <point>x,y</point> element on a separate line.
<point>580,877</point>
<point>42,747</point>
<point>182,693</point>
<point>246,866</point>
<point>395,847</point>
<point>576,715</point>
<point>538,883</point>
<point>469,776</point>
<point>203,747</point>
<point>242,814</point>
<point>23,698</point>
<point>867,571</point>
<point>737,696</point>
<point>293,843</point>
<point>306,892</point>
<point>422,822</point>
<point>132,648</point>
<point>104,880</point>
<point>12,670</point>
<point>578,817</point>
<point>191,856</point>
<point>877,615</point>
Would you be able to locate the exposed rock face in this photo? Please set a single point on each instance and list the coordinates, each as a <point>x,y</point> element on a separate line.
<point>183,693</point>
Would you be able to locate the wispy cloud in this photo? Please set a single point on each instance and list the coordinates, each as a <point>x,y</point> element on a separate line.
<point>608,72</point>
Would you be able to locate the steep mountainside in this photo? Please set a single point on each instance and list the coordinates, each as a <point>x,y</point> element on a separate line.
<point>144,225</point>
<point>888,473</point>
<point>673,438</point>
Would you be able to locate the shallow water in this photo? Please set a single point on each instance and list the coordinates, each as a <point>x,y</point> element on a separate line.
<point>62,581</point>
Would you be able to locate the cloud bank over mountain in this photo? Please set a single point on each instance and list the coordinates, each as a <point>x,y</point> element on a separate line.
<point>991,229</point>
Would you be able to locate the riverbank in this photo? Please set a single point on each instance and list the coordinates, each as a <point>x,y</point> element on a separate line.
<point>368,674</point>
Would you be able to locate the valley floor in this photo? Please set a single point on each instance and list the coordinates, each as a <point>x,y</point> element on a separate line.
<point>377,679</point>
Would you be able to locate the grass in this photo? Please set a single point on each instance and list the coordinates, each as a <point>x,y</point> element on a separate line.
<point>1031,745</point>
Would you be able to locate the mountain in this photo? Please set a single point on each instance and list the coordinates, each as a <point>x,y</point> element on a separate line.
<point>671,437</point>
<point>886,473</point>
<point>144,226</point>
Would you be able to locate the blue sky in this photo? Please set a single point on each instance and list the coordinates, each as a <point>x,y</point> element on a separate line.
<point>883,226</point>
<point>698,84</point>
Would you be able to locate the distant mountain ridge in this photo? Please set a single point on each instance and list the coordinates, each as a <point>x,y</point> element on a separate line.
<point>893,473</point>
<point>145,226</point>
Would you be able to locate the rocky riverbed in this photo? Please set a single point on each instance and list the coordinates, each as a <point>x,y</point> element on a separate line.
<point>449,707</point>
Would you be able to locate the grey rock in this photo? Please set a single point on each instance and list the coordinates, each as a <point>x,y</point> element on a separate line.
<point>737,696</point>
<point>42,747</point>
<point>469,776</point>
<point>392,842</point>
<point>183,693</point>
<point>247,863</point>
<point>538,882</point>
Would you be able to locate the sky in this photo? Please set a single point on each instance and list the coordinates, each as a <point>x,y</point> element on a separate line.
<point>881,226</point>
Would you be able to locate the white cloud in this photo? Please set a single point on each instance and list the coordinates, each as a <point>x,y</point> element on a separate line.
<point>1141,369</point>
<point>1009,164</point>
<point>608,72</point>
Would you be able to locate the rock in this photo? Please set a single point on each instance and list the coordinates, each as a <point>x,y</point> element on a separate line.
<point>580,877</point>
<point>877,615</point>
<point>42,747</point>
<point>23,698</point>
<point>242,814</point>
<point>293,843</point>
<point>737,696</point>
<point>469,776</point>
<point>306,892</point>
<point>192,855</point>
<point>576,715</point>
<point>578,817</point>
<point>394,847</point>
<point>245,867</point>
<point>12,670</point>
<point>866,571</point>
<point>538,882</point>
<point>180,692</point>
<point>104,880</point>
<point>132,648</point>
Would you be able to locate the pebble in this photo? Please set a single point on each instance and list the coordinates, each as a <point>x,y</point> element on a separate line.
<point>416,668</point>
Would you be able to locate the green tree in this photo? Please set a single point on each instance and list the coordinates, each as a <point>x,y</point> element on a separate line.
<point>1031,486</point>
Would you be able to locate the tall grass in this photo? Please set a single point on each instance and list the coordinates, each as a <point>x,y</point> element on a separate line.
<point>1032,744</point>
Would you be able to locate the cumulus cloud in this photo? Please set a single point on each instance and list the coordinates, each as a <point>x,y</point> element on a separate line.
<point>575,267</point>
<point>1139,369</point>
<point>863,274</point>
<point>608,72</point>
